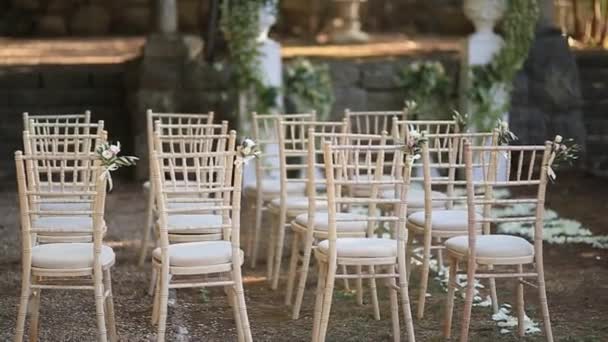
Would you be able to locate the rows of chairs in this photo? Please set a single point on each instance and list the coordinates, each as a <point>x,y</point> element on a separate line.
<point>350,192</point>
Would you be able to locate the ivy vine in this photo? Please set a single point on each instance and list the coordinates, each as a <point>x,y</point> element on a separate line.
<point>308,87</point>
<point>518,27</point>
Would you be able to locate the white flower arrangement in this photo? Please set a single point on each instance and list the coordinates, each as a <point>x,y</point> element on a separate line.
<point>505,136</point>
<point>414,142</point>
<point>249,150</point>
<point>562,152</point>
<point>462,120</point>
<point>111,161</point>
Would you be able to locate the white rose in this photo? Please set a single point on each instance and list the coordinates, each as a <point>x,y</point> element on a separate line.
<point>558,139</point>
<point>107,154</point>
<point>115,149</point>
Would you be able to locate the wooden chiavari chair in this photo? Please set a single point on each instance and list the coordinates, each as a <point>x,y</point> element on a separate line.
<point>382,258</point>
<point>56,119</point>
<point>267,182</point>
<point>312,226</point>
<point>164,118</point>
<point>71,266</point>
<point>214,178</point>
<point>293,152</point>
<point>442,153</point>
<point>372,122</point>
<point>511,256</point>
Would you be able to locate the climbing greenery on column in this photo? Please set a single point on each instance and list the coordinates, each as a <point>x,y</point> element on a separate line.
<point>518,27</point>
<point>240,24</point>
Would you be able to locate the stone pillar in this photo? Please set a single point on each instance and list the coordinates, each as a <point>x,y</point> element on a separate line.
<point>167,16</point>
<point>479,49</point>
<point>347,26</point>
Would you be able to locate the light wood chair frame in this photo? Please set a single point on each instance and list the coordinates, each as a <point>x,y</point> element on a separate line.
<point>34,279</point>
<point>337,165</point>
<point>442,153</point>
<point>57,119</point>
<point>227,168</point>
<point>305,236</point>
<point>164,118</point>
<point>373,122</point>
<point>534,178</point>
<point>264,132</point>
<point>293,152</point>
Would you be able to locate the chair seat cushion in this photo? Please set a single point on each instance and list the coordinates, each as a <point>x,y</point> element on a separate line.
<point>362,247</point>
<point>64,224</point>
<point>69,256</point>
<point>344,222</point>
<point>54,206</point>
<point>492,248</point>
<point>273,186</point>
<point>191,224</point>
<point>192,254</point>
<point>296,205</point>
<point>365,190</point>
<point>445,220</point>
<point>415,198</point>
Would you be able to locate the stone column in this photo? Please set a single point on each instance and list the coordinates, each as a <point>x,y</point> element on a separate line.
<point>167,16</point>
<point>347,26</point>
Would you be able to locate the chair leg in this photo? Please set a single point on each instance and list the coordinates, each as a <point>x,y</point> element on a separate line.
<point>493,293</point>
<point>271,247</point>
<point>23,305</point>
<point>35,318</point>
<point>521,331</point>
<point>327,300</point>
<point>278,253</point>
<point>163,299</point>
<point>319,300</point>
<point>424,276</point>
<point>359,284</point>
<point>405,303</point>
<point>542,294</point>
<point>449,306</point>
<point>374,294</point>
<point>241,305</point>
<point>409,249</point>
<point>440,262</point>
<point>346,283</point>
<point>110,305</point>
<point>143,249</point>
<point>100,307</point>
<point>303,276</point>
<point>232,300</point>
<point>257,229</point>
<point>153,281</point>
<point>392,291</point>
<point>468,302</point>
<point>293,267</point>
<point>156,303</point>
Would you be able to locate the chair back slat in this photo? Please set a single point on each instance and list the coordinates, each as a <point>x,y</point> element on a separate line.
<point>55,119</point>
<point>372,122</point>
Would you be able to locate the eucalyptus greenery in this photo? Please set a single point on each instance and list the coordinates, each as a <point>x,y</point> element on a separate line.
<point>308,86</point>
<point>427,84</point>
<point>517,26</point>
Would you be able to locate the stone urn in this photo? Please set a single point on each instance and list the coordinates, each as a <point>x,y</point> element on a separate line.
<point>484,14</point>
<point>346,26</point>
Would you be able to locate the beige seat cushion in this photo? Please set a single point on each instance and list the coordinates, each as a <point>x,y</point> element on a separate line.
<point>494,249</point>
<point>64,224</point>
<point>69,255</point>
<point>271,188</point>
<point>192,254</point>
<point>362,247</point>
<point>296,205</point>
<point>344,222</point>
<point>365,190</point>
<point>415,199</point>
<point>191,224</point>
<point>444,220</point>
<point>65,206</point>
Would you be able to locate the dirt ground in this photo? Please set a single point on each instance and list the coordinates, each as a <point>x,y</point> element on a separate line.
<point>577,286</point>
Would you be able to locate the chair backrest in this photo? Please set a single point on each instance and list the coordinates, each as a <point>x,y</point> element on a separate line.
<point>265,132</point>
<point>51,139</point>
<point>400,128</point>
<point>372,122</point>
<point>339,159</point>
<point>442,162</point>
<point>529,179</point>
<point>58,119</point>
<point>293,148</point>
<point>211,179</point>
<point>63,172</point>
